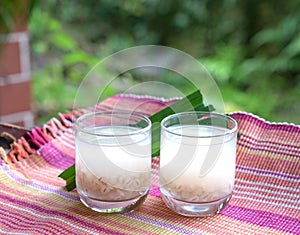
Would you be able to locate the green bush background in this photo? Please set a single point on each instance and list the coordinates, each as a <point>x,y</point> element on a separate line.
<point>251,47</point>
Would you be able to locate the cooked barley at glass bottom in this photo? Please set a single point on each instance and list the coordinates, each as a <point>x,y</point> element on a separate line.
<point>117,188</point>
<point>197,193</point>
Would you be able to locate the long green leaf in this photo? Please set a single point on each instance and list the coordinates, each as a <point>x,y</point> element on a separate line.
<point>194,101</point>
<point>66,174</point>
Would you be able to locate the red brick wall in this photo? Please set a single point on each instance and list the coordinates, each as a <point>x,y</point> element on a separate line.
<point>15,79</point>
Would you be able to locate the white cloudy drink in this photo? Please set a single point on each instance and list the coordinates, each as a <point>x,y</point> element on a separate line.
<point>113,165</point>
<point>190,185</point>
<point>197,164</point>
<point>113,168</point>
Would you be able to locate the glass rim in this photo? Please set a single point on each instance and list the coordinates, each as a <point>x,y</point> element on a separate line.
<point>213,114</point>
<point>97,113</point>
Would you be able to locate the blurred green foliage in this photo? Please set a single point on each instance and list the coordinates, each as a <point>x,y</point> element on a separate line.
<point>251,47</point>
<point>14,12</point>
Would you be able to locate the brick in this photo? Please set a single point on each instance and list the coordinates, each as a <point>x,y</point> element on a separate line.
<point>15,98</point>
<point>10,59</point>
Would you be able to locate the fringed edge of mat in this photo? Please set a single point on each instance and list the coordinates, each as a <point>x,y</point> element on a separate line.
<point>266,122</point>
<point>162,99</point>
<point>37,137</point>
<point>28,144</point>
<point>20,149</point>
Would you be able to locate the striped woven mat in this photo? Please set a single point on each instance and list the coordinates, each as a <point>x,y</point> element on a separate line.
<point>266,198</point>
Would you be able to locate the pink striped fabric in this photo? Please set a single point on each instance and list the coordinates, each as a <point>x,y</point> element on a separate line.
<point>266,197</point>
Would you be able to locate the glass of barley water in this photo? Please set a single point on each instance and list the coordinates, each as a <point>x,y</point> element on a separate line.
<point>113,160</point>
<point>197,162</point>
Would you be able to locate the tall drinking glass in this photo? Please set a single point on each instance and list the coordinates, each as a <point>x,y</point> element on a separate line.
<point>113,160</point>
<point>197,162</point>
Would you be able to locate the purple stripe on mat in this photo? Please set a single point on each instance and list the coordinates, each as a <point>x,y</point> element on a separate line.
<point>161,224</point>
<point>56,213</point>
<point>31,225</point>
<point>263,218</point>
<point>22,230</point>
<point>267,150</point>
<point>256,141</point>
<point>55,157</point>
<point>272,173</point>
<point>37,186</point>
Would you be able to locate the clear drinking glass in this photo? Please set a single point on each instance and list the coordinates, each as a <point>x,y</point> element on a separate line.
<point>197,162</point>
<point>113,160</point>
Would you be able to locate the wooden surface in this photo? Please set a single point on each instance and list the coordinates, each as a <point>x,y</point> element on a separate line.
<point>8,133</point>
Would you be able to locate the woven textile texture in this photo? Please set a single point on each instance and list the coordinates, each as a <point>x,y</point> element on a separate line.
<point>266,198</point>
